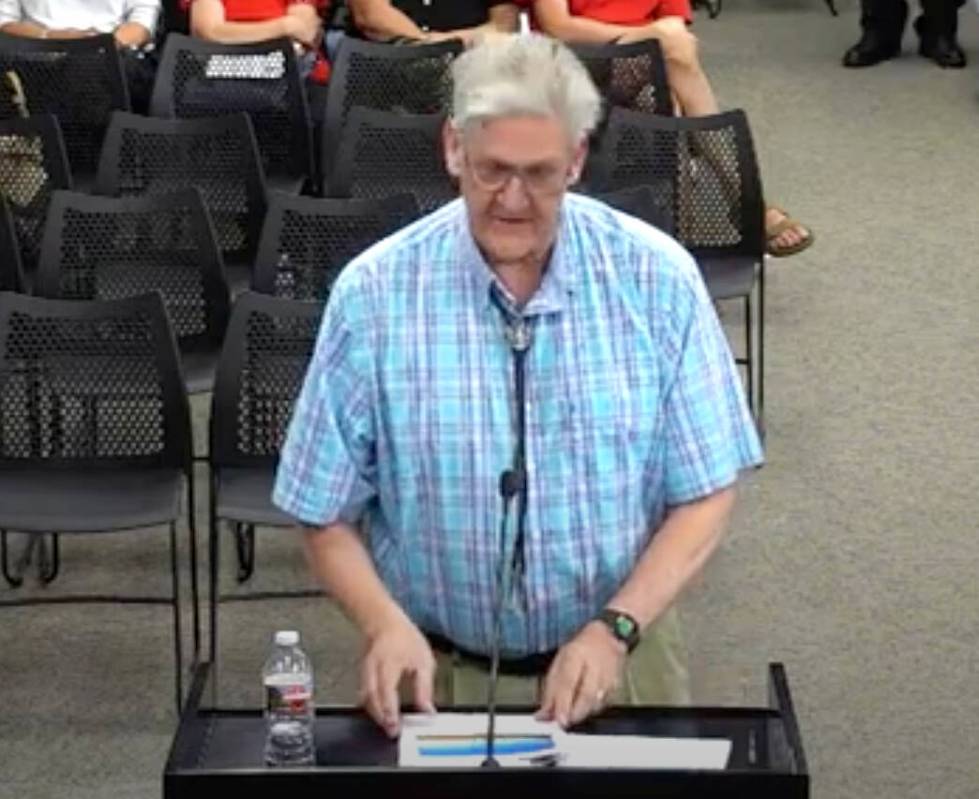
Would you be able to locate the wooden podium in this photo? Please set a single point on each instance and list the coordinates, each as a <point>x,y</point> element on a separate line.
<point>220,753</point>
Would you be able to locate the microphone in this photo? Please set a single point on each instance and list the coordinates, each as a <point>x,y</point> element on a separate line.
<point>513,484</point>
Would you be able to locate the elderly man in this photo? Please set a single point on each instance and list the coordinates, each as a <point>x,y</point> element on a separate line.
<point>623,455</point>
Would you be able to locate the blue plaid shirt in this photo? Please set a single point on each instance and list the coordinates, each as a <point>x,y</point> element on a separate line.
<point>407,418</point>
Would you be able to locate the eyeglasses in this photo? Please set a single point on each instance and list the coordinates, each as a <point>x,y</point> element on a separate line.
<point>538,179</point>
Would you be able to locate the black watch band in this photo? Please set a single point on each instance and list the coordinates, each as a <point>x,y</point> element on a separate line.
<point>623,626</point>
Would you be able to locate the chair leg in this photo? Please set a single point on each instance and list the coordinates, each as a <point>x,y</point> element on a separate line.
<point>245,546</point>
<point>13,580</point>
<point>749,354</point>
<point>761,350</point>
<point>213,552</point>
<point>194,587</point>
<point>48,566</point>
<point>178,651</point>
<point>831,4</point>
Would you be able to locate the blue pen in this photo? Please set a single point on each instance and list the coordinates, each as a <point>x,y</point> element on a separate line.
<point>478,748</point>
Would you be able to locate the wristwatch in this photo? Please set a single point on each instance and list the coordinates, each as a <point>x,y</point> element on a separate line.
<point>622,626</point>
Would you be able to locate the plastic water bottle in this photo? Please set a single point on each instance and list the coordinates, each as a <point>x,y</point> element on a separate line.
<point>289,709</point>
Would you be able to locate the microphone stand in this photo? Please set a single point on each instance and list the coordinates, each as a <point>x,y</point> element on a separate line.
<point>513,483</point>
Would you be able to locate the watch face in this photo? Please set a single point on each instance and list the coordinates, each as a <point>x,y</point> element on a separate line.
<point>624,627</point>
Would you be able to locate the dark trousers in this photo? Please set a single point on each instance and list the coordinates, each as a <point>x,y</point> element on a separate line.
<point>887,18</point>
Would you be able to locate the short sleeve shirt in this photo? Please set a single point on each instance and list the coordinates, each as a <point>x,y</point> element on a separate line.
<point>407,418</point>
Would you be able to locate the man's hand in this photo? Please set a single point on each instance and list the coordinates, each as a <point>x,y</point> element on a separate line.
<point>584,674</point>
<point>395,650</point>
<point>304,25</point>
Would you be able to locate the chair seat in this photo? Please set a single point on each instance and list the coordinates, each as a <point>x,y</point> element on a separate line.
<point>245,495</point>
<point>287,184</point>
<point>70,501</point>
<point>728,278</point>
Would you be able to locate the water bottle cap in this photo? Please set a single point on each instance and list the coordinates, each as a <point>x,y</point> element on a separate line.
<point>286,638</point>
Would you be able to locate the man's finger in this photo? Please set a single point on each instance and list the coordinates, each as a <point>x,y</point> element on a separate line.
<point>569,677</point>
<point>388,677</point>
<point>368,691</point>
<point>549,692</point>
<point>424,686</point>
<point>586,697</point>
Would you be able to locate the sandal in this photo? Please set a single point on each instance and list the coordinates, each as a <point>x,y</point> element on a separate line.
<point>774,231</point>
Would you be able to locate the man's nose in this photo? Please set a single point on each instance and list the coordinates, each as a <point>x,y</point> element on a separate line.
<point>513,194</point>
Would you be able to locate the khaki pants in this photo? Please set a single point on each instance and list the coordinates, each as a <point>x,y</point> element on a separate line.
<point>655,674</point>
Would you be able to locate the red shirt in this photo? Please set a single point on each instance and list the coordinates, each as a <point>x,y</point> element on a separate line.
<point>261,10</point>
<point>257,10</point>
<point>630,12</point>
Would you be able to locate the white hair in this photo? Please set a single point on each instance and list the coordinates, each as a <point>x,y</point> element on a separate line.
<point>524,74</point>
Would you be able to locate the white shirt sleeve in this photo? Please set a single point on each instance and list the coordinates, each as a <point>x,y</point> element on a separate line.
<point>10,11</point>
<point>143,12</point>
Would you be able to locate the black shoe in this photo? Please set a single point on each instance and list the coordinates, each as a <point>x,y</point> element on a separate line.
<point>870,50</point>
<point>944,51</point>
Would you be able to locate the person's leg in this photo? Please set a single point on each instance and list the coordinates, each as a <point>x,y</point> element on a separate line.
<point>882,25</point>
<point>694,94</point>
<point>937,28</point>
<point>688,81</point>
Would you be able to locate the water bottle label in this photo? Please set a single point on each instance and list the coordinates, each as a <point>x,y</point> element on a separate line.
<point>292,699</point>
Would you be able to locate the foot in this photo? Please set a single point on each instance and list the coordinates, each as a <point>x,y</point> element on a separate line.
<point>783,235</point>
<point>939,45</point>
<point>871,49</point>
<point>944,51</point>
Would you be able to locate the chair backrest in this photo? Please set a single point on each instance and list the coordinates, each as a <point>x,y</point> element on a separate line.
<point>412,79</point>
<point>33,165</point>
<point>704,168</point>
<point>383,153</point>
<point>90,384</point>
<point>105,248</point>
<point>630,75</point>
<point>11,268</point>
<point>643,203</point>
<point>266,352</point>
<point>199,78</point>
<point>80,81</point>
<point>307,241</point>
<point>217,155</point>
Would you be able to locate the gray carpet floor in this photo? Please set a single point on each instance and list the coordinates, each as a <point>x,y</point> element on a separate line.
<point>853,554</point>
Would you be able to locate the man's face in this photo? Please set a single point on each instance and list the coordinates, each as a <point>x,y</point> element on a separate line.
<point>513,172</point>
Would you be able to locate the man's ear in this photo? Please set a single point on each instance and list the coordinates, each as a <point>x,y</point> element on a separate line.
<point>452,147</point>
<point>578,161</point>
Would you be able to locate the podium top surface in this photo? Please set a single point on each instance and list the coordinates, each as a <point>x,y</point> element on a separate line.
<point>220,749</point>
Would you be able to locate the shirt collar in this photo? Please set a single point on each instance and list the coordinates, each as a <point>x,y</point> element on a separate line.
<point>559,276</point>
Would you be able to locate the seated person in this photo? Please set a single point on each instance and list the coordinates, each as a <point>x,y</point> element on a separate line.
<point>245,21</point>
<point>131,22</point>
<point>423,20</point>
<point>624,21</point>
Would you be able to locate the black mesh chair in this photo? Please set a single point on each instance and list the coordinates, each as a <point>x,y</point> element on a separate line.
<point>107,248</point>
<point>11,269</point>
<point>630,75</point>
<point>643,203</point>
<point>80,81</point>
<point>217,155</point>
<point>198,78</point>
<point>705,169</point>
<point>410,79</point>
<point>94,432</point>
<point>266,353</point>
<point>33,164</point>
<point>306,241</point>
<point>383,153</point>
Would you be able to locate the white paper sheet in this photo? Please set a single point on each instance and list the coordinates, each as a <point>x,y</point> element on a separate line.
<point>635,751</point>
<point>457,740</point>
